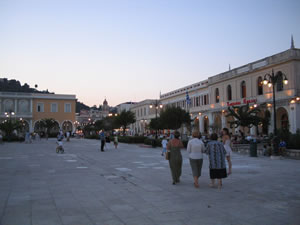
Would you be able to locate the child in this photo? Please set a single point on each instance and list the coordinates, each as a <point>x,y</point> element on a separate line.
<point>164,143</point>
<point>59,142</point>
<point>265,152</point>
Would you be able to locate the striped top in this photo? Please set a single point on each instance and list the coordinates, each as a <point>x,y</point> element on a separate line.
<point>216,154</point>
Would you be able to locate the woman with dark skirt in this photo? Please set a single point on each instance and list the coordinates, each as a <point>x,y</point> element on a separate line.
<point>217,155</point>
<point>175,160</point>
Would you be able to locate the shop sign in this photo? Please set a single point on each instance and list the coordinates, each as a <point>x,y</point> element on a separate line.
<point>245,101</point>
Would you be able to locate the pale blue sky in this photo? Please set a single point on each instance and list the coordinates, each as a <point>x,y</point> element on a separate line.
<point>131,50</point>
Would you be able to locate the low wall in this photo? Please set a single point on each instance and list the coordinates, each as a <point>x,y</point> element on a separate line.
<point>245,148</point>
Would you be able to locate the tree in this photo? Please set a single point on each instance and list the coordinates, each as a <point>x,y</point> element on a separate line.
<point>124,119</point>
<point>245,117</point>
<point>48,123</point>
<point>173,118</point>
<point>9,126</point>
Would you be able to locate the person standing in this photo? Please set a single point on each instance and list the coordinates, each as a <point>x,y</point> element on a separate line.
<point>116,141</point>
<point>1,138</point>
<point>68,135</point>
<point>227,142</point>
<point>195,148</point>
<point>102,139</point>
<point>175,161</point>
<point>217,166</point>
<point>164,143</point>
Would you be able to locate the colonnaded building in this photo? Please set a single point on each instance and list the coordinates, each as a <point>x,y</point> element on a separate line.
<point>209,99</point>
<point>31,108</point>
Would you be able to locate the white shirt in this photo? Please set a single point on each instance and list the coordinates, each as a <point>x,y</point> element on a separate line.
<point>164,143</point>
<point>195,148</point>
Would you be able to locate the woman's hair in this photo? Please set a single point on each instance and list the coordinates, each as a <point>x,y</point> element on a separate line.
<point>195,134</point>
<point>226,130</point>
<point>176,134</point>
<point>214,136</point>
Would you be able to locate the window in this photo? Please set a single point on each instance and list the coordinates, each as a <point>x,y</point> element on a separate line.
<point>217,95</point>
<point>229,93</point>
<point>67,107</point>
<point>197,101</point>
<point>40,107</point>
<point>279,83</point>
<point>205,100</point>
<point>144,111</point>
<point>54,107</point>
<point>259,86</point>
<point>243,89</point>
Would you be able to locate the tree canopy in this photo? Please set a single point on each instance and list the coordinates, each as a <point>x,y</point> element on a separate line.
<point>171,118</point>
<point>244,115</point>
<point>124,119</point>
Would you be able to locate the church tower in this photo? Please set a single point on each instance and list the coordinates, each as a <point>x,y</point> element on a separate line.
<point>105,106</point>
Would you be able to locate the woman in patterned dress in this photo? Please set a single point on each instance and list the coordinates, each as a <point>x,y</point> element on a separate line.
<point>217,155</point>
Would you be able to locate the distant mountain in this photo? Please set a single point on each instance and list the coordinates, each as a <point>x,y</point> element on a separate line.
<point>80,106</point>
<point>15,86</point>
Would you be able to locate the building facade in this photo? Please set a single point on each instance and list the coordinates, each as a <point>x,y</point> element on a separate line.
<point>87,116</point>
<point>31,108</point>
<point>209,99</point>
<point>144,111</point>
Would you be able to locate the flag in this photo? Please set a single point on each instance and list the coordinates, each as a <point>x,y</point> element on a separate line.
<point>188,100</point>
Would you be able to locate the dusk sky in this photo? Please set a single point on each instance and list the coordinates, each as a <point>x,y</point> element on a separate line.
<point>131,50</point>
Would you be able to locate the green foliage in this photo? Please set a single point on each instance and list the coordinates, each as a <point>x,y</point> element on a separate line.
<point>9,126</point>
<point>124,119</point>
<point>48,123</point>
<point>15,86</point>
<point>155,124</point>
<point>81,106</point>
<point>109,124</point>
<point>131,139</point>
<point>245,117</point>
<point>173,118</point>
<point>149,141</point>
<point>294,141</point>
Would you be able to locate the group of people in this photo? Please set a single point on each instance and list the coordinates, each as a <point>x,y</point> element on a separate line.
<point>218,153</point>
<point>105,139</point>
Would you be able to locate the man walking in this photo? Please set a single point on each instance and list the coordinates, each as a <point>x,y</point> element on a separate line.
<point>102,139</point>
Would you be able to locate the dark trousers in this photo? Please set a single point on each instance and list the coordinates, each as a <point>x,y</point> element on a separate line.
<point>102,145</point>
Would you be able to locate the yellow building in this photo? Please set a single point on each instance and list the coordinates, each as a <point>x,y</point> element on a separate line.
<point>31,108</point>
<point>61,108</point>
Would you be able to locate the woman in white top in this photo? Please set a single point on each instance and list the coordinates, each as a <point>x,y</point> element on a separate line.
<point>195,148</point>
<point>226,142</point>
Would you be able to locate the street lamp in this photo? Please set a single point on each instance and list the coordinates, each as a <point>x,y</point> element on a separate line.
<point>271,80</point>
<point>157,106</point>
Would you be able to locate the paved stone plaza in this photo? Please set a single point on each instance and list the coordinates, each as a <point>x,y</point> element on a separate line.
<point>132,185</point>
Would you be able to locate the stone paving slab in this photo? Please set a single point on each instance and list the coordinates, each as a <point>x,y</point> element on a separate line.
<point>132,185</point>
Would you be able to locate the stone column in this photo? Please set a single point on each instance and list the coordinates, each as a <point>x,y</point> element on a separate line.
<point>16,106</point>
<point>31,126</point>
<point>211,122</point>
<point>201,127</point>
<point>31,110</point>
<point>292,117</point>
<point>223,119</point>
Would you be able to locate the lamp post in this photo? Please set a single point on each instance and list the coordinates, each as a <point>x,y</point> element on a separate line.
<point>157,106</point>
<point>271,80</point>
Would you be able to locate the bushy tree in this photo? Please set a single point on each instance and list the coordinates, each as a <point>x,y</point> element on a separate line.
<point>48,123</point>
<point>9,126</point>
<point>173,118</point>
<point>124,119</point>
